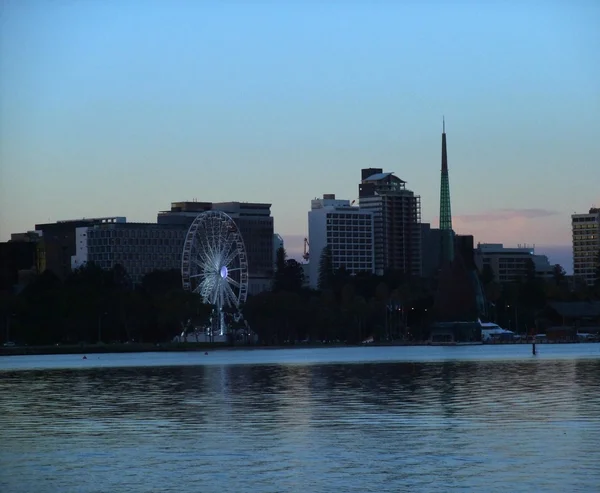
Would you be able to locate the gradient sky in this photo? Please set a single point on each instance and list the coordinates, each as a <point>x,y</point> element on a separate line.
<point>119,107</point>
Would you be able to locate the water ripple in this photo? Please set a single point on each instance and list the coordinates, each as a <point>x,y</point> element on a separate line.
<point>440,426</point>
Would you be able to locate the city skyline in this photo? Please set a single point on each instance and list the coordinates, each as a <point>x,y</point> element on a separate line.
<point>124,109</point>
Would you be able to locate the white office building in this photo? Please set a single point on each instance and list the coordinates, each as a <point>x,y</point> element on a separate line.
<point>347,230</point>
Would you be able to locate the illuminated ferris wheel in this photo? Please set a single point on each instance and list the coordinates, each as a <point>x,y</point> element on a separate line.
<point>214,265</point>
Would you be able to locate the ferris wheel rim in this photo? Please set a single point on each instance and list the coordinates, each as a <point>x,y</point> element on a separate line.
<point>223,260</point>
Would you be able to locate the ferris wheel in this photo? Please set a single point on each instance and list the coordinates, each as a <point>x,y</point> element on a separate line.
<point>214,264</point>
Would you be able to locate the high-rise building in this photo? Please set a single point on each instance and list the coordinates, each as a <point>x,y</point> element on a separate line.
<point>255,223</point>
<point>447,234</point>
<point>397,221</point>
<point>586,245</point>
<point>346,230</point>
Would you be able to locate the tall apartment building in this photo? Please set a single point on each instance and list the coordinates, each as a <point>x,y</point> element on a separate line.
<point>397,221</point>
<point>511,264</point>
<point>347,230</point>
<point>586,244</point>
<point>254,221</point>
<point>139,247</point>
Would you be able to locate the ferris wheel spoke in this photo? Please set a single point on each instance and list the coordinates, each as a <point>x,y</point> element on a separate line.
<point>231,295</point>
<point>231,255</point>
<point>234,282</point>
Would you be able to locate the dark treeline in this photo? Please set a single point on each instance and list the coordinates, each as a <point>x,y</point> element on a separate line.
<point>94,305</point>
<point>353,308</point>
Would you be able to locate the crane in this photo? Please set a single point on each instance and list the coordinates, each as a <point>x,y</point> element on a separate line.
<point>306,253</point>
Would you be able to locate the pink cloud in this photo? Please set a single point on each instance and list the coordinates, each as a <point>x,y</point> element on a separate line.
<point>504,215</point>
<point>515,226</point>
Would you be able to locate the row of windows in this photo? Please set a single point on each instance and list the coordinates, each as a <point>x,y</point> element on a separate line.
<point>589,219</point>
<point>146,249</point>
<point>136,233</point>
<point>354,266</point>
<point>349,217</point>
<point>136,241</point>
<point>150,259</point>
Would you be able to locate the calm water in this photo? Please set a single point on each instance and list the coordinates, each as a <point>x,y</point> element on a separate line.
<point>420,419</point>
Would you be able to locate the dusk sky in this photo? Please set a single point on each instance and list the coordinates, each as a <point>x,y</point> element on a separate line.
<point>121,107</point>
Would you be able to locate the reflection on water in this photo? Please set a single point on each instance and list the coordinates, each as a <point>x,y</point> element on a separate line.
<point>419,427</point>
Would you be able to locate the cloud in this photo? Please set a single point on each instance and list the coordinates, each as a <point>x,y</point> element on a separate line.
<point>504,215</point>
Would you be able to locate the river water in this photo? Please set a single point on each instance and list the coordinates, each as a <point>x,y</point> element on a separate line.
<point>373,419</point>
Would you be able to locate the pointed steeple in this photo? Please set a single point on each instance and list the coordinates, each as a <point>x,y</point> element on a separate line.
<point>447,235</point>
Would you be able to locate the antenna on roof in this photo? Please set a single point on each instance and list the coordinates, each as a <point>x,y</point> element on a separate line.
<point>443,124</point>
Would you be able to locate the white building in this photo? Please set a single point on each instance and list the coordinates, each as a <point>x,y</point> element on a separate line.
<point>586,245</point>
<point>347,230</point>
<point>511,264</point>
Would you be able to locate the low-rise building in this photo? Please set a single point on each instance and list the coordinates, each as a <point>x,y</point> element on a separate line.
<point>139,247</point>
<point>511,264</point>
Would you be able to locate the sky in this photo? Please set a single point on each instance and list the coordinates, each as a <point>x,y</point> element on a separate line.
<point>120,107</point>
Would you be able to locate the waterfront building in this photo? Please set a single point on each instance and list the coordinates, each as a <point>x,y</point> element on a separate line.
<point>397,221</point>
<point>139,247</point>
<point>58,243</point>
<point>348,232</point>
<point>586,245</point>
<point>18,260</point>
<point>511,264</point>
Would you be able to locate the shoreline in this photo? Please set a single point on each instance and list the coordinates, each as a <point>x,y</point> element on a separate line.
<point>203,346</point>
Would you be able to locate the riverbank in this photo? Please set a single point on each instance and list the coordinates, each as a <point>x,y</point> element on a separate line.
<point>205,346</point>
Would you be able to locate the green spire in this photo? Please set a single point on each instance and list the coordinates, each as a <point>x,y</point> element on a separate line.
<point>447,235</point>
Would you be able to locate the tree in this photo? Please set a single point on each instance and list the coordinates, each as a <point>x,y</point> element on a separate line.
<point>280,262</point>
<point>597,281</point>
<point>558,274</point>
<point>326,273</point>
<point>289,274</point>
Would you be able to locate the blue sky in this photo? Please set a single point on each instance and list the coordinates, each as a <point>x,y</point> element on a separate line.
<point>120,107</point>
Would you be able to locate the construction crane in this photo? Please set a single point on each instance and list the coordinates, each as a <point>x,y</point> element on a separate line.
<point>306,253</point>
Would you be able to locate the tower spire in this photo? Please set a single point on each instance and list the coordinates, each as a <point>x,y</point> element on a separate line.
<point>446,233</point>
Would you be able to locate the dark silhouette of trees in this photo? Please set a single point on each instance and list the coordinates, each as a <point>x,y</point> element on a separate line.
<point>103,306</point>
<point>289,275</point>
<point>326,274</point>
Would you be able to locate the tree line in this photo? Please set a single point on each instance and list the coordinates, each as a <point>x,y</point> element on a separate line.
<point>94,305</point>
